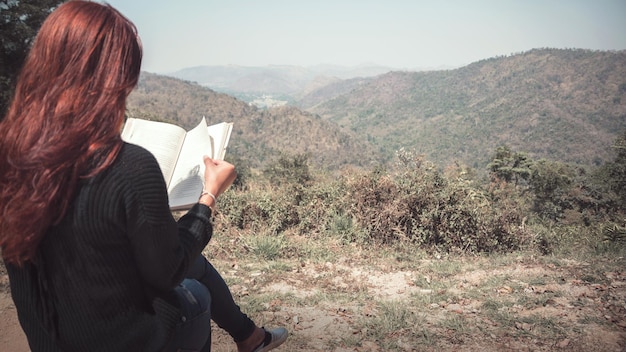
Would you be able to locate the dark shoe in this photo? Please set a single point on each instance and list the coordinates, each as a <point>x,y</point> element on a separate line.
<point>273,339</point>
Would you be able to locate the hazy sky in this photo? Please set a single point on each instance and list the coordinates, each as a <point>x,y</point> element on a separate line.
<point>403,34</point>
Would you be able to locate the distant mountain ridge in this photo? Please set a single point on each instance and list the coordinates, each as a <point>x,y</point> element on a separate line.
<point>273,79</point>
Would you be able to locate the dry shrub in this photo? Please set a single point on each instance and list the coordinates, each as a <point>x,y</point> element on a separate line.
<point>260,211</point>
<point>416,204</point>
<point>421,205</point>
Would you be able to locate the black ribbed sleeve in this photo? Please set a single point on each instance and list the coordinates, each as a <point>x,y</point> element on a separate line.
<point>104,275</point>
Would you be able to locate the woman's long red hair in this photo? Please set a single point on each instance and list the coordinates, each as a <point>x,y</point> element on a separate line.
<point>64,121</point>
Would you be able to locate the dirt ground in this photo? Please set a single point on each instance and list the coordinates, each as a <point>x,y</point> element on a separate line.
<point>571,306</point>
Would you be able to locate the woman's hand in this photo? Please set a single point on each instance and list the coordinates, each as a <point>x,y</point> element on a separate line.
<point>218,176</point>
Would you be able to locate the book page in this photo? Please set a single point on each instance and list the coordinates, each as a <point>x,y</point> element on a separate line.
<point>188,178</point>
<point>162,139</point>
<point>220,135</point>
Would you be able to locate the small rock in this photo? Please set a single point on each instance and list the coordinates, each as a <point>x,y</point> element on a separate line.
<point>505,290</point>
<point>456,308</point>
<point>563,343</point>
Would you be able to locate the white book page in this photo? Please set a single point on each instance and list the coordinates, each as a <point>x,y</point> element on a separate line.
<point>162,139</point>
<point>188,178</point>
<point>220,133</point>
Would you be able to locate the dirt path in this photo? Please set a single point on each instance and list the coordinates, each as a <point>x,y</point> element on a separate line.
<point>11,336</point>
<point>463,305</point>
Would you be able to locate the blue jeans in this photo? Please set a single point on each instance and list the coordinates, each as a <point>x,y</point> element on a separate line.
<point>224,311</point>
<point>193,333</point>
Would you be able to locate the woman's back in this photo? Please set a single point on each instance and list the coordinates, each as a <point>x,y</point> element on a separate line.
<point>87,287</point>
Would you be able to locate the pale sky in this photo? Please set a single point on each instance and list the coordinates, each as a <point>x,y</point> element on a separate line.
<point>402,34</point>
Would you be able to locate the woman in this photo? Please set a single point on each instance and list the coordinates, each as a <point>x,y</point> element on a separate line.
<point>95,260</point>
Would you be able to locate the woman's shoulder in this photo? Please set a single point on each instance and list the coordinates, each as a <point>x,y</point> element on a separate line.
<point>133,150</point>
<point>135,162</point>
<point>138,169</point>
<point>133,155</point>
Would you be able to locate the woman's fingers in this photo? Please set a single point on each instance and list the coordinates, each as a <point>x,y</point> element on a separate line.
<point>218,175</point>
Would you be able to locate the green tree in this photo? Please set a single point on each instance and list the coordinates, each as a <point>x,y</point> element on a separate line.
<point>608,182</point>
<point>510,166</point>
<point>550,182</point>
<point>617,170</point>
<point>289,169</point>
<point>19,22</point>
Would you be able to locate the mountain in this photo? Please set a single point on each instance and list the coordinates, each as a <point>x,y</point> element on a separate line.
<point>312,97</point>
<point>563,104</point>
<point>274,79</point>
<point>259,135</point>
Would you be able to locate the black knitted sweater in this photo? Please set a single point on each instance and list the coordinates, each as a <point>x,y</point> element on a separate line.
<point>103,277</point>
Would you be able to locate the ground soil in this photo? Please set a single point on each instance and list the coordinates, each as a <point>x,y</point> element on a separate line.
<point>571,306</point>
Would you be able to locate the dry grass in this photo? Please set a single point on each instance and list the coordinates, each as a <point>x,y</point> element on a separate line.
<point>343,297</point>
<point>337,297</point>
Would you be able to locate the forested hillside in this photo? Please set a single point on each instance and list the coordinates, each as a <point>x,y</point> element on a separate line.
<point>566,105</point>
<point>258,135</point>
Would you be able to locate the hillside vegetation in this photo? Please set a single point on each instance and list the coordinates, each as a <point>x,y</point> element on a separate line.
<point>566,105</point>
<point>411,258</point>
<point>258,135</point>
<point>547,127</point>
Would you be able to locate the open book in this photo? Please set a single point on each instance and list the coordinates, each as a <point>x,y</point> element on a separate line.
<point>180,153</point>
